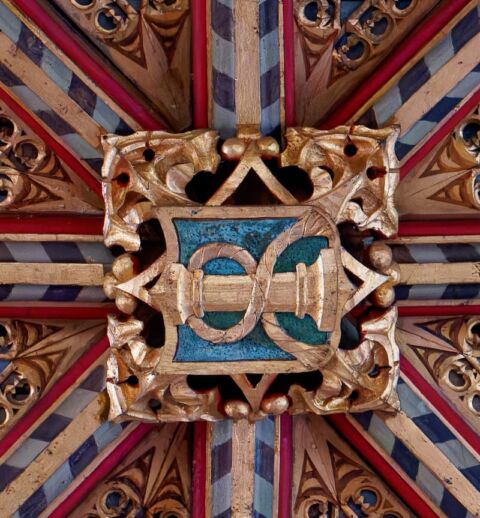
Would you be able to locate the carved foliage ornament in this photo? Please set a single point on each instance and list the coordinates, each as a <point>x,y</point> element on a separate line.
<point>32,178</point>
<point>33,356</point>
<point>247,310</point>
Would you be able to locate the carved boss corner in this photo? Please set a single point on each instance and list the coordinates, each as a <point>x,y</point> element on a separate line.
<point>249,281</point>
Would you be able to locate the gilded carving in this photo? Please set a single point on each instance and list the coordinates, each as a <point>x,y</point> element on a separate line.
<point>331,480</point>
<point>249,296</point>
<point>32,178</point>
<point>153,480</point>
<point>447,182</point>
<point>449,348</point>
<point>336,54</point>
<point>35,356</point>
<point>150,41</point>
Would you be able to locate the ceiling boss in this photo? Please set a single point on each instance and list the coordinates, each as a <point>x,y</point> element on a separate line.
<point>250,281</point>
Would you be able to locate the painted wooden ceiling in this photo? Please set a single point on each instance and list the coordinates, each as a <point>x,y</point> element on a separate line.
<point>72,71</point>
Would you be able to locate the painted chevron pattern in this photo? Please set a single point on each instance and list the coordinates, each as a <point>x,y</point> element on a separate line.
<point>69,470</point>
<point>386,107</point>
<point>69,83</point>
<point>55,252</point>
<point>221,480</point>
<point>264,468</point>
<point>436,253</point>
<point>440,437</point>
<point>45,293</point>
<point>53,425</point>
<point>269,67</point>
<point>223,67</point>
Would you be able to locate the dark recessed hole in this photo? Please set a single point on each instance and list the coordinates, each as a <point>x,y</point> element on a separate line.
<point>350,149</point>
<point>153,241</point>
<point>154,405</point>
<point>296,180</point>
<point>476,403</point>
<point>456,379</point>
<point>169,2</point>
<point>354,395</point>
<point>149,154</point>
<point>132,381</point>
<point>403,4</point>
<point>469,131</point>
<point>27,151</point>
<point>358,201</point>
<point>3,331</point>
<point>123,179</point>
<point>3,415</point>
<point>113,499</point>
<point>3,195</point>
<point>116,250</point>
<point>254,379</point>
<point>376,172</point>
<point>374,372</point>
<point>154,331</point>
<point>253,191</point>
<point>307,380</point>
<point>21,391</point>
<point>321,510</point>
<point>6,128</point>
<point>205,183</point>
<point>475,329</point>
<point>310,11</point>
<point>350,337</point>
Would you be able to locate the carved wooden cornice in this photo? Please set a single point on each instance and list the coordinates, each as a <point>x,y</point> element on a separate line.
<point>32,178</point>
<point>242,311</point>
<point>449,349</point>
<point>329,479</point>
<point>153,480</point>
<point>149,41</point>
<point>338,55</point>
<point>447,181</point>
<point>37,354</point>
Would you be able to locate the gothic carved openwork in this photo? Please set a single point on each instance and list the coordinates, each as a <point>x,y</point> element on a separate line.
<point>243,279</point>
<point>448,181</point>
<point>34,355</point>
<point>339,53</point>
<point>32,178</point>
<point>329,479</point>
<point>149,41</point>
<point>153,480</point>
<point>449,349</point>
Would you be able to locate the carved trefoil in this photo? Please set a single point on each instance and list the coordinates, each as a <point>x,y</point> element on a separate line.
<point>242,310</point>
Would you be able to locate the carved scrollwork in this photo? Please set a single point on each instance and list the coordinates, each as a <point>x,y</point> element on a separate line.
<point>37,354</point>
<point>331,481</point>
<point>223,278</point>
<point>152,481</point>
<point>451,353</point>
<point>337,52</point>
<point>450,176</point>
<point>149,41</point>
<point>32,178</point>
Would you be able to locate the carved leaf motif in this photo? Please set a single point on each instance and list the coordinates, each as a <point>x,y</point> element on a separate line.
<point>32,178</point>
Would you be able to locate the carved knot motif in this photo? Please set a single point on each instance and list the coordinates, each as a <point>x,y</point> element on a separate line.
<point>247,280</point>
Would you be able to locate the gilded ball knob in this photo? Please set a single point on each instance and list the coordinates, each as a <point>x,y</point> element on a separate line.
<point>383,296</point>
<point>275,404</point>
<point>268,146</point>
<point>233,148</point>
<point>237,409</point>
<point>125,267</point>
<point>126,303</point>
<point>380,256</point>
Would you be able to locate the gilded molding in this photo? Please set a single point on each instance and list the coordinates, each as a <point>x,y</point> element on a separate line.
<point>149,41</point>
<point>37,354</point>
<point>176,352</point>
<point>153,479</point>
<point>447,181</point>
<point>329,479</point>
<point>334,56</point>
<point>32,178</point>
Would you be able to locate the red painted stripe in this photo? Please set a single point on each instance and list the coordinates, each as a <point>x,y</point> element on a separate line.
<point>453,227</point>
<point>58,312</point>
<point>289,62</point>
<point>94,70</point>
<point>434,311</point>
<point>43,404</point>
<point>402,55</point>
<point>199,469</point>
<point>110,462</point>
<point>384,469</point>
<point>439,135</point>
<point>63,153</point>
<point>60,224</point>
<point>286,467</point>
<point>200,63</point>
<point>445,410</point>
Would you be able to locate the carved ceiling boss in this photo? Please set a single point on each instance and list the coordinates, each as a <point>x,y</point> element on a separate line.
<point>240,293</point>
